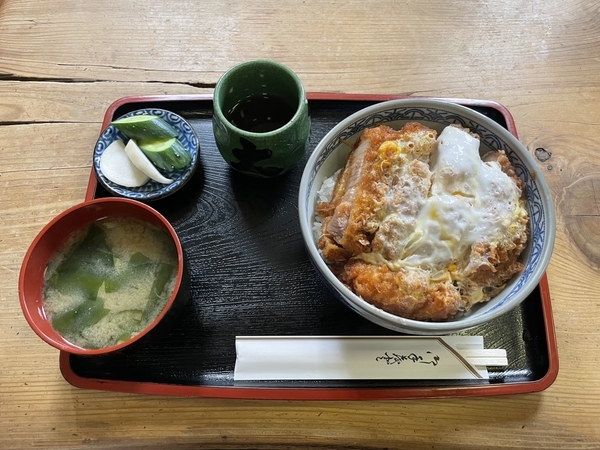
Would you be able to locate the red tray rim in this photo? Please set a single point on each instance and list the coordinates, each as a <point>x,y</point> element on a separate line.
<point>304,393</point>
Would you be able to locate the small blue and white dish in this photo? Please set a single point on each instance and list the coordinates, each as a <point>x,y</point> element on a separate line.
<point>152,190</point>
<point>330,155</point>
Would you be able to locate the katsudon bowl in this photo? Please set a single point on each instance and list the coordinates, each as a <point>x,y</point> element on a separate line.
<point>330,155</point>
<point>109,272</point>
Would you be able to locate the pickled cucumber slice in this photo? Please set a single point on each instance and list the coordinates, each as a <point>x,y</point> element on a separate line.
<point>166,154</point>
<point>145,126</point>
<point>142,162</point>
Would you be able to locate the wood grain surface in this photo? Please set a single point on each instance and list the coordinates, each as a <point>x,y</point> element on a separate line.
<point>63,62</point>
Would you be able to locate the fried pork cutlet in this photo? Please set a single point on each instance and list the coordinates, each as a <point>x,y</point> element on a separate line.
<point>423,227</point>
<point>384,168</point>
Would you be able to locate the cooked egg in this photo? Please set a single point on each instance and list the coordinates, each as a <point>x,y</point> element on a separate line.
<point>469,201</point>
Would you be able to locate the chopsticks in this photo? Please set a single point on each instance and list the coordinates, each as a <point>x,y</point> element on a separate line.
<point>495,357</point>
<point>364,357</point>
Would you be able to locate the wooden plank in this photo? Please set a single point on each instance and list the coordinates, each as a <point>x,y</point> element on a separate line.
<point>334,45</point>
<point>30,102</point>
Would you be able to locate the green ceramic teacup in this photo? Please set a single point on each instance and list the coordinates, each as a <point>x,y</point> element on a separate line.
<point>261,122</point>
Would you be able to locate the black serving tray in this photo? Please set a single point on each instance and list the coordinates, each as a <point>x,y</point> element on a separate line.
<point>250,275</point>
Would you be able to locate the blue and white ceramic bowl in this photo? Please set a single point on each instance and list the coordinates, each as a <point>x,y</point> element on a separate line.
<point>152,190</point>
<point>330,155</point>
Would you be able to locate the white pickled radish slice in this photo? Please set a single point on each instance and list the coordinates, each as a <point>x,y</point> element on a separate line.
<point>142,162</point>
<point>118,168</point>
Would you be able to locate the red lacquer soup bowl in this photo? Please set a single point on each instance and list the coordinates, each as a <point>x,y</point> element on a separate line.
<point>50,240</point>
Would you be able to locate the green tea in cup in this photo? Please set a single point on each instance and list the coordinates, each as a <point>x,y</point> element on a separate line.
<point>261,121</point>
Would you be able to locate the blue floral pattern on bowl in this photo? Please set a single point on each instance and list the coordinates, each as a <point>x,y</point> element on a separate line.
<point>152,190</point>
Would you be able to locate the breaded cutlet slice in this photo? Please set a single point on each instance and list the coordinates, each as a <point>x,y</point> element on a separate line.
<point>371,183</point>
<point>405,293</point>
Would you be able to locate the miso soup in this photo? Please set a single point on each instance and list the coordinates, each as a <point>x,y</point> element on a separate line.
<point>109,281</point>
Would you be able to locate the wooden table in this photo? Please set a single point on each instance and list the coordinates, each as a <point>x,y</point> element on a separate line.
<point>63,62</point>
